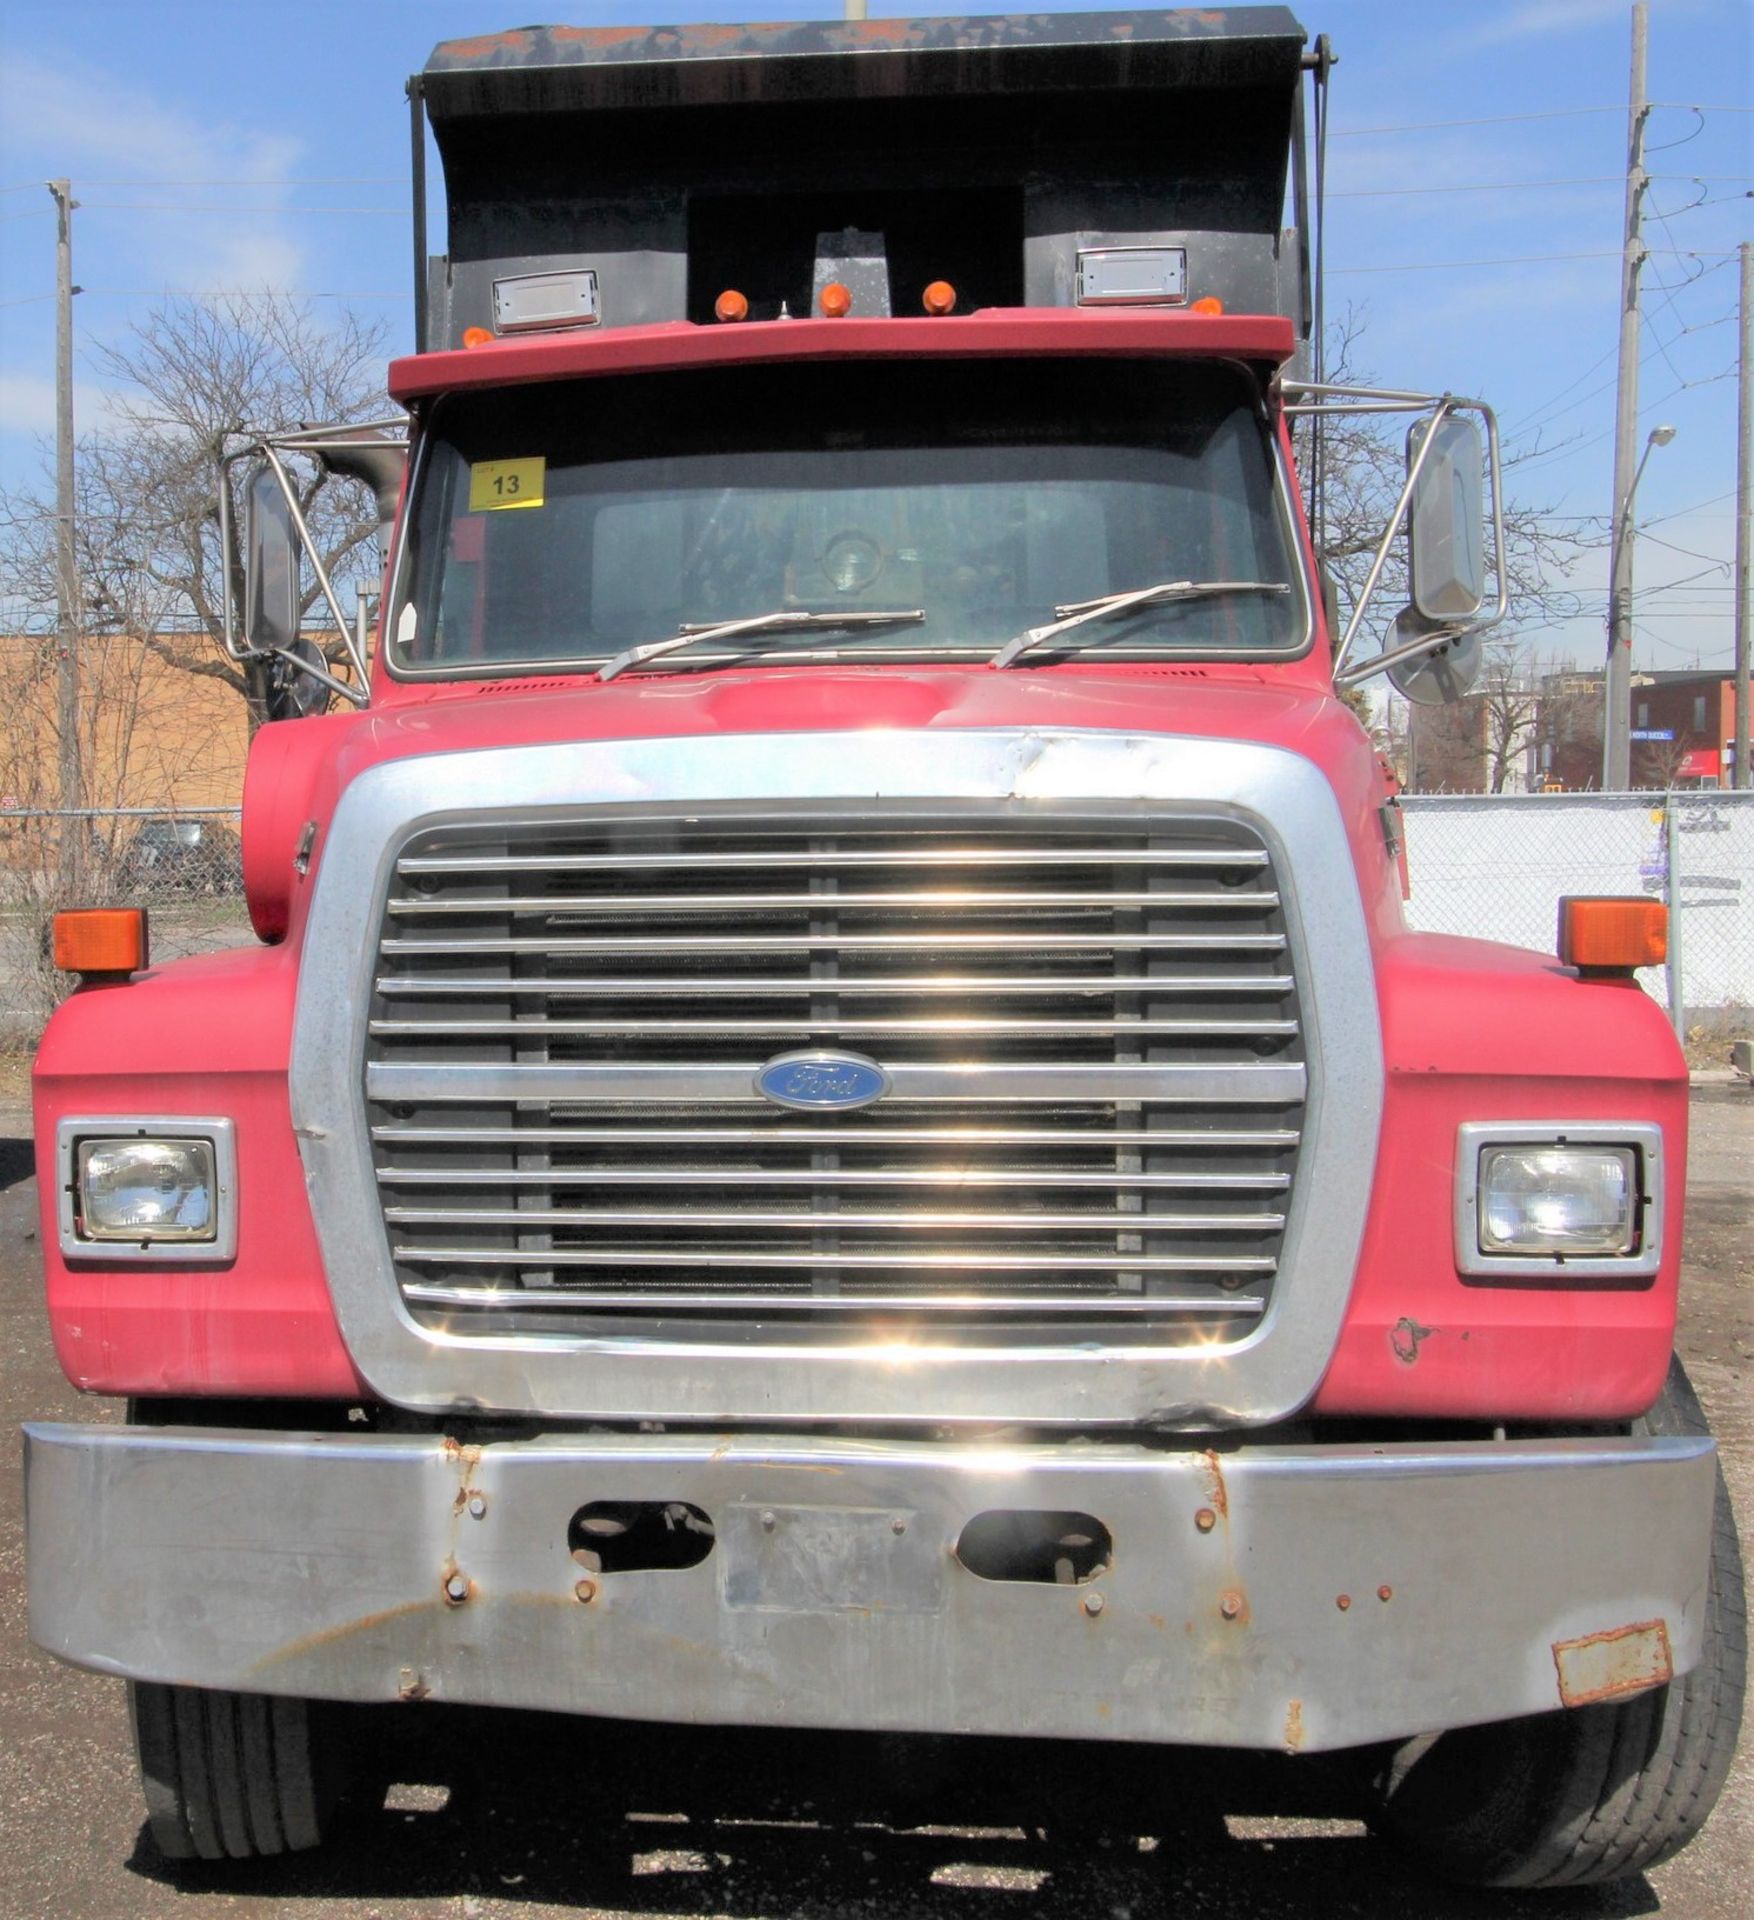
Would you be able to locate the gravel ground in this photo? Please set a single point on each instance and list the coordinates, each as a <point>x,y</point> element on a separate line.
<point>521,1819</point>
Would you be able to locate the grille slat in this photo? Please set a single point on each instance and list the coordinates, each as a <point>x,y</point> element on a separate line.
<point>908,901</point>
<point>631,1135</point>
<point>950,1028</point>
<point>1265,1083</point>
<point>1090,1031</point>
<point>779,858</point>
<point>578,1219</point>
<point>843,1177</point>
<point>516,1300</point>
<point>765,986</point>
<point>851,941</point>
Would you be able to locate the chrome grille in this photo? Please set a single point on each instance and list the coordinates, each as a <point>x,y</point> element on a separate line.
<point>1090,1026</point>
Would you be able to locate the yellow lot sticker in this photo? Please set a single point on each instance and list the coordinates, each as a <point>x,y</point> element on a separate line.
<point>497,484</point>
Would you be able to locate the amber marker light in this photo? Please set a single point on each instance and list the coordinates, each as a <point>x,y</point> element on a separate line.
<point>731,305</point>
<point>477,337</point>
<point>939,297</point>
<point>1208,303</point>
<point>837,301</point>
<point>1607,934</point>
<point>101,940</point>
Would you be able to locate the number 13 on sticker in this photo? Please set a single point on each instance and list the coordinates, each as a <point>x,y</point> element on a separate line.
<point>497,484</point>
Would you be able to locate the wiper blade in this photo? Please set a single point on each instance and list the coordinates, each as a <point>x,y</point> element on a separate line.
<point>796,621</point>
<point>1113,604</point>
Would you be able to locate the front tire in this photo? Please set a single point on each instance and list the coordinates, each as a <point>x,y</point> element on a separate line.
<point>1596,1793</point>
<point>234,1776</point>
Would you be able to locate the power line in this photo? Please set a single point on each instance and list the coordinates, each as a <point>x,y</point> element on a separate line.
<point>1489,120</point>
<point>233,293</point>
<point>327,180</point>
<point>1528,186</point>
<point>169,206</point>
<point>1530,260</point>
<point>1505,119</point>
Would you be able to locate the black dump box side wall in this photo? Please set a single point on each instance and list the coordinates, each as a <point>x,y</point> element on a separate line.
<point>644,152</point>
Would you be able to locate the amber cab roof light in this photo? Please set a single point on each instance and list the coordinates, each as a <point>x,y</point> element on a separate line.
<point>101,941</point>
<point>1608,934</point>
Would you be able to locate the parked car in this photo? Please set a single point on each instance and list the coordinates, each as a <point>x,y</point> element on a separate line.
<point>171,856</point>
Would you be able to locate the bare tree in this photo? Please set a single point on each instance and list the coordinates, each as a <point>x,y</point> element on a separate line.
<point>1511,702</point>
<point>1364,466</point>
<point>1660,763</point>
<point>189,378</point>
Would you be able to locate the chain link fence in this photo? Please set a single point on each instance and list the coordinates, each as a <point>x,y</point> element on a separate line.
<point>184,864</point>
<point>1492,866</point>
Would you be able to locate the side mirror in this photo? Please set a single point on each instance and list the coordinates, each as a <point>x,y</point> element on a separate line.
<point>271,556</point>
<point>1446,556</point>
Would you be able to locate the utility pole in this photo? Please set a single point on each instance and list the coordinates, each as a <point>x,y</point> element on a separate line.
<point>1744,509</point>
<point>67,596</point>
<point>1617,690</point>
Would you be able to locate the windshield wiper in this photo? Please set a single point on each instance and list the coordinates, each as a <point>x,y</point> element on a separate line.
<point>1113,604</point>
<point>794,622</point>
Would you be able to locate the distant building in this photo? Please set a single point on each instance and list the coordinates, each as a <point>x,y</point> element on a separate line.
<point>1683,735</point>
<point>1683,729</point>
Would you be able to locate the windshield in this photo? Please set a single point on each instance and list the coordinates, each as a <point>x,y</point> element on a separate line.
<point>559,526</point>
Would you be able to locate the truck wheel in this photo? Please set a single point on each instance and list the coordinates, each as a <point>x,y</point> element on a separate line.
<point>233,1776</point>
<point>1594,1793</point>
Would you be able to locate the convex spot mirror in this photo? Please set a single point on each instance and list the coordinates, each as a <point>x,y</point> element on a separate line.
<point>1446,548</point>
<point>271,556</point>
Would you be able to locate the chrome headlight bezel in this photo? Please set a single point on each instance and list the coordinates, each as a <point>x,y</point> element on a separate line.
<point>1643,1141</point>
<point>84,1131</point>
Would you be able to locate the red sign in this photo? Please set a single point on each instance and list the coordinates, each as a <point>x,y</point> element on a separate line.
<point>1701,763</point>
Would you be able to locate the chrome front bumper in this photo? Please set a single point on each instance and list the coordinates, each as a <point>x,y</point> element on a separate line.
<point>1267,1597</point>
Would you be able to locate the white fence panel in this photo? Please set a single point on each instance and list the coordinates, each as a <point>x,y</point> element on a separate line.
<point>1494,866</point>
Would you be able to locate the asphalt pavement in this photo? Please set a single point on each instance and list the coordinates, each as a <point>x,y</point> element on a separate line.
<point>522,1818</point>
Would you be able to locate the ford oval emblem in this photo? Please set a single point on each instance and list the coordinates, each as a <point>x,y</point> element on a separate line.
<point>817,1080</point>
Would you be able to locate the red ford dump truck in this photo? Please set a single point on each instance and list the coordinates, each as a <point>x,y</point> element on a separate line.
<point>835,1122</point>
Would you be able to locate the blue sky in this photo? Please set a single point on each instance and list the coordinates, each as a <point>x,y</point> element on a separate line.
<point>1475,175</point>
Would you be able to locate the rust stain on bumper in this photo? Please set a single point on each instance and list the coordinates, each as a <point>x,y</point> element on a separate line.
<point>1603,1666</point>
<point>1216,1491</point>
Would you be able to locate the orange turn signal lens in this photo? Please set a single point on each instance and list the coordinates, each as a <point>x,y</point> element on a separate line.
<point>1607,934</point>
<point>477,337</point>
<point>1208,303</point>
<point>731,305</point>
<point>837,301</point>
<point>101,940</point>
<point>939,297</point>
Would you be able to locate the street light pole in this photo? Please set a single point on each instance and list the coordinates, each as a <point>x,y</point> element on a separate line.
<point>1617,714</point>
<point>1617,681</point>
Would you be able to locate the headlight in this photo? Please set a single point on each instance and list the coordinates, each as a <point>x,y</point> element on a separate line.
<point>1575,1202</point>
<point>147,1188</point>
<point>1566,1200</point>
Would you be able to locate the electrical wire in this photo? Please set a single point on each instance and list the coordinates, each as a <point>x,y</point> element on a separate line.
<point>165,206</point>
<point>1488,120</point>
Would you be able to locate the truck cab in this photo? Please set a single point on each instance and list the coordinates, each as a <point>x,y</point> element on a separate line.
<point>835,1121</point>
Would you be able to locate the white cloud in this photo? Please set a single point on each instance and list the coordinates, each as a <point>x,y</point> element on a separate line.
<point>82,121</point>
<point>27,405</point>
<point>1536,19</point>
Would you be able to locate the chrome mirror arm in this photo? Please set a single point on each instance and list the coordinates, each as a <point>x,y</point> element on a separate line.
<point>315,441</point>
<point>1336,402</point>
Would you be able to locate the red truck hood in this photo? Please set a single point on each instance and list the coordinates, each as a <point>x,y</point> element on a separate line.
<point>299,768</point>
